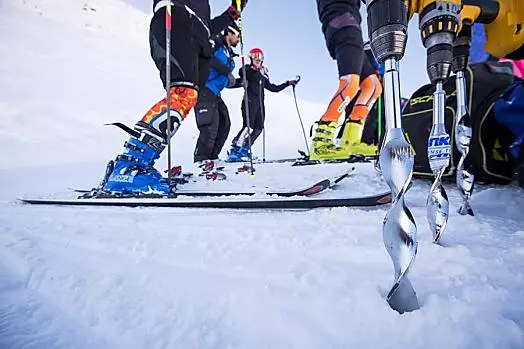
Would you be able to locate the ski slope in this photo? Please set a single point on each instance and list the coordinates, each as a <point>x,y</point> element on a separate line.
<point>189,278</point>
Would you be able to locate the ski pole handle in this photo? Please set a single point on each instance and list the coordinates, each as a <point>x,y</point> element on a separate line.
<point>297,79</point>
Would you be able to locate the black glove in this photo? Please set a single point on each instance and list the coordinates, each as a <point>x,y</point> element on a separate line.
<point>292,82</point>
<point>233,11</point>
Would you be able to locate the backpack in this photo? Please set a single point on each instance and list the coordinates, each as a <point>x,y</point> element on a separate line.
<point>490,142</point>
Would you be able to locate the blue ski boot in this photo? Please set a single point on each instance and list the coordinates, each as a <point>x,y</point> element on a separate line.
<point>132,172</point>
<point>244,153</point>
<point>234,154</point>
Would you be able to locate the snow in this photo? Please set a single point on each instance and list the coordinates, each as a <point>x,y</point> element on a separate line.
<point>92,277</point>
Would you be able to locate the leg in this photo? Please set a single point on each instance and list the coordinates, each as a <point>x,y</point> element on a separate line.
<point>207,119</point>
<point>235,154</point>
<point>240,147</point>
<point>255,134</point>
<point>257,123</point>
<point>239,139</point>
<point>185,62</point>
<point>223,129</point>
<point>344,41</point>
<point>370,90</point>
<point>133,171</point>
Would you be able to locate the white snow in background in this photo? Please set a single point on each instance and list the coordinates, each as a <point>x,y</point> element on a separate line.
<point>90,277</point>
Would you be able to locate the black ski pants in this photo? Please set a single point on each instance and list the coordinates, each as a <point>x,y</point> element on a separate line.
<point>212,118</point>
<point>191,51</point>
<point>341,27</point>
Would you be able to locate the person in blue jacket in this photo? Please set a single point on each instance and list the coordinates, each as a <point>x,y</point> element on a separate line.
<point>212,116</point>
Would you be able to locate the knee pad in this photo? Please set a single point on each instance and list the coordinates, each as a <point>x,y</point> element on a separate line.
<point>343,30</point>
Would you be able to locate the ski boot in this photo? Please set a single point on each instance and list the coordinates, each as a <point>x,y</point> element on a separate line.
<point>244,153</point>
<point>351,141</point>
<point>234,154</point>
<point>238,154</point>
<point>323,147</point>
<point>132,172</point>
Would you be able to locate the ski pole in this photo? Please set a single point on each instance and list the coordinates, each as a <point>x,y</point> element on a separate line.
<point>299,116</point>
<point>244,83</point>
<point>379,128</point>
<point>264,144</point>
<point>262,112</point>
<point>168,86</point>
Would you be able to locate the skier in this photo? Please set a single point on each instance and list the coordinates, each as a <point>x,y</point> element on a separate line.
<point>341,27</point>
<point>212,116</point>
<point>257,80</point>
<point>191,51</point>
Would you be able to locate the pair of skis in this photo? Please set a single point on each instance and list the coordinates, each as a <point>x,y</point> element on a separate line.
<point>294,199</point>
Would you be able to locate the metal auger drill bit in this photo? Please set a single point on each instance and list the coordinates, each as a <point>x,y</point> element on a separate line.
<point>387,23</point>
<point>399,231</point>
<point>439,24</point>
<point>439,150</point>
<point>465,176</point>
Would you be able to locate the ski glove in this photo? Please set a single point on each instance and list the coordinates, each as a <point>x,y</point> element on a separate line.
<point>292,82</point>
<point>232,10</point>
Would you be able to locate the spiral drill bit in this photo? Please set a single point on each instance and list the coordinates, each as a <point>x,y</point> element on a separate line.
<point>465,176</point>
<point>439,151</point>
<point>387,23</point>
<point>439,24</point>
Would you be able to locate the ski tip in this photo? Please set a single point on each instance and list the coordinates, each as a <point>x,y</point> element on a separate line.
<point>386,198</point>
<point>317,188</point>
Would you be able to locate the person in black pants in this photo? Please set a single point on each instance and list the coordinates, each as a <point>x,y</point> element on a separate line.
<point>191,28</point>
<point>212,116</point>
<point>257,80</point>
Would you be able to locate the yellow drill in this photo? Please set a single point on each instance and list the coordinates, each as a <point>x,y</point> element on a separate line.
<point>504,25</point>
<point>439,23</point>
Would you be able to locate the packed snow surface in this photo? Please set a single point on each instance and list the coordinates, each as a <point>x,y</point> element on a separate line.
<point>73,277</point>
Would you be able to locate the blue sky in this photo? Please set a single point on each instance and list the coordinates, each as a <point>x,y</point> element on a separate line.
<point>289,32</point>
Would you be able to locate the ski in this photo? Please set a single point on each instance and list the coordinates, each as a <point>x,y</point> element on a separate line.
<point>313,189</point>
<point>275,161</point>
<point>350,159</point>
<point>301,161</point>
<point>238,203</point>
